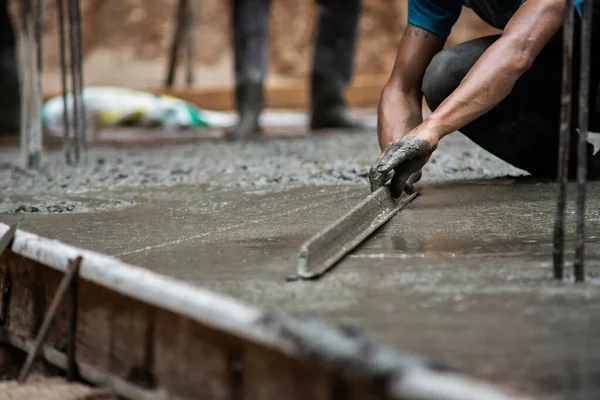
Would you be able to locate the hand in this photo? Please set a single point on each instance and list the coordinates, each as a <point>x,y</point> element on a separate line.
<point>402,160</point>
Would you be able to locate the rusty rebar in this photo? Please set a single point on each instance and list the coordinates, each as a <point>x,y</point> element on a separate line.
<point>65,284</point>
<point>584,95</point>
<point>72,367</point>
<point>563,150</point>
<point>178,34</point>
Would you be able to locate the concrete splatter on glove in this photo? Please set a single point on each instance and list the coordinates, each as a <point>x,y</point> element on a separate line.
<point>400,162</point>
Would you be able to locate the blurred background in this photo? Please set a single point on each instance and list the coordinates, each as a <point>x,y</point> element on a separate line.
<point>126,43</point>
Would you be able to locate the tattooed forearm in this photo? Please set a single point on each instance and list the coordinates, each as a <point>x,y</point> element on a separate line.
<point>412,30</point>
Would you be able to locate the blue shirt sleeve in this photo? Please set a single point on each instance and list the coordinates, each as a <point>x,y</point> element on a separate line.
<point>578,6</point>
<point>436,16</point>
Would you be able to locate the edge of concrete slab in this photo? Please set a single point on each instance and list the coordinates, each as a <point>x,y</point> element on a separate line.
<point>145,336</point>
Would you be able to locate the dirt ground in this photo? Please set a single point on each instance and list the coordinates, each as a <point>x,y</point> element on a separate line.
<point>40,386</point>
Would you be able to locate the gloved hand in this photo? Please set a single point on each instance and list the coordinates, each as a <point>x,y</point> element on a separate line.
<point>401,161</point>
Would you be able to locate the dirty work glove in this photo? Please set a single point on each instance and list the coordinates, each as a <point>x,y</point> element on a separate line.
<point>401,161</point>
<point>414,178</point>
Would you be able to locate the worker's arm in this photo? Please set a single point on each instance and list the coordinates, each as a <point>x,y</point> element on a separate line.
<point>490,80</point>
<point>399,109</point>
<point>495,73</point>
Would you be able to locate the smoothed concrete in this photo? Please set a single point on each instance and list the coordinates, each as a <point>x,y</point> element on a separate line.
<point>463,274</point>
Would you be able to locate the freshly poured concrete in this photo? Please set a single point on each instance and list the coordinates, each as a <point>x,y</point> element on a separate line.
<point>462,275</point>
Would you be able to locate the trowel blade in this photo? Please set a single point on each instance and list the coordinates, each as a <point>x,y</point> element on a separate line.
<point>321,252</point>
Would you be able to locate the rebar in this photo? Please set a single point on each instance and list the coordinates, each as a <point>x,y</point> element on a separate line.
<point>74,80</point>
<point>178,34</point>
<point>72,367</point>
<point>60,7</point>
<point>34,159</point>
<point>32,50</point>
<point>190,34</point>
<point>65,284</point>
<point>584,95</point>
<point>79,67</point>
<point>563,151</point>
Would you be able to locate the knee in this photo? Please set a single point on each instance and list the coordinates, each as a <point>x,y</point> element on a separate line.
<point>442,76</point>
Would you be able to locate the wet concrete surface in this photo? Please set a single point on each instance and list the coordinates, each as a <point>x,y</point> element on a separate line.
<point>334,158</point>
<point>461,275</point>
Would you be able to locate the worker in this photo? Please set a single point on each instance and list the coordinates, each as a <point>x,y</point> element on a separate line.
<point>9,77</point>
<point>331,68</point>
<point>502,91</point>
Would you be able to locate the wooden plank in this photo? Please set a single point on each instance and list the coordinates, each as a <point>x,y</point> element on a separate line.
<point>154,289</point>
<point>364,92</point>
<point>183,346</point>
<point>146,336</point>
<point>267,374</point>
<point>127,137</point>
<point>7,237</point>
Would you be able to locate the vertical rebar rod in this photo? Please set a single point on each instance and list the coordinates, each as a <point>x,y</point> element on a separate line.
<point>584,95</point>
<point>178,33</point>
<point>563,151</point>
<point>79,66</point>
<point>191,16</point>
<point>74,79</point>
<point>60,8</point>
<point>34,159</point>
<point>72,367</point>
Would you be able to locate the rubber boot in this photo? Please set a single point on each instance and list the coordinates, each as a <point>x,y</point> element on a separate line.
<point>333,60</point>
<point>10,102</point>
<point>250,26</point>
<point>249,99</point>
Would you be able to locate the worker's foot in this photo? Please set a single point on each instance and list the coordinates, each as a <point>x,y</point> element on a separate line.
<point>336,117</point>
<point>246,128</point>
<point>249,102</point>
<point>332,68</point>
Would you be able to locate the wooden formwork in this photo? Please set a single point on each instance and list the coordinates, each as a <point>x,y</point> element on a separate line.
<point>146,336</point>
